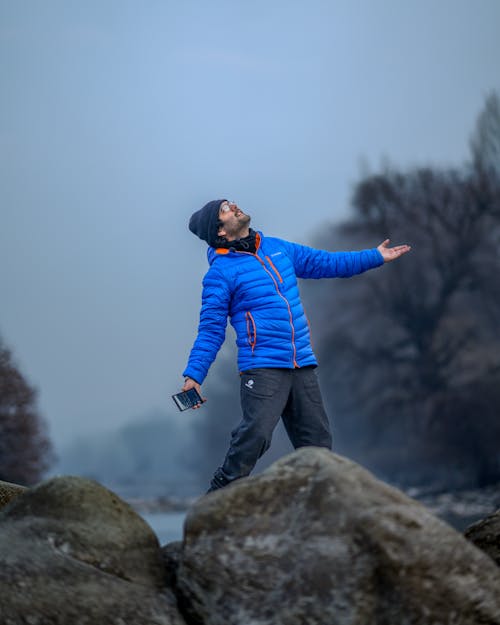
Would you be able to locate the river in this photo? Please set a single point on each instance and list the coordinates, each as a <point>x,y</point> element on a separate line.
<point>166,525</point>
<point>457,509</point>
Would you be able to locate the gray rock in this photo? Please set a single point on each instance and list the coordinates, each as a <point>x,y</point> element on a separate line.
<point>72,551</point>
<point>485,534</point>
<point>8,492</point>
<point>316,539</point>
<point>171,555</point>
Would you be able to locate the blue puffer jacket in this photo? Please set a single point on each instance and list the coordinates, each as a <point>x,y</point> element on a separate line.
<point>259,292</point>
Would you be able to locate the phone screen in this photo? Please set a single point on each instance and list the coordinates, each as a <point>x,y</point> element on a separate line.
<point>187,399</point>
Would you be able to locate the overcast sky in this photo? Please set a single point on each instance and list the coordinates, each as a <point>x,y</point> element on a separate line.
<point>119,119</point>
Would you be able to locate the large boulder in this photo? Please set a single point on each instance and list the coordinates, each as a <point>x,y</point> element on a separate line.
<point>72,551</point>
<point>485,534</point>
<point>9,491</point>
<point>317,539</point>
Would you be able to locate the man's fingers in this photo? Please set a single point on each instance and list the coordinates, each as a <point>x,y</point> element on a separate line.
<point>402,249</point>
<point>391,253</point>
<point>188,385</point>
<point>201,404</point>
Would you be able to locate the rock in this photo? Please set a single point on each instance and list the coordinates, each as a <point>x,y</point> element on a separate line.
<point>72,551</point>
<point>485,534</point>
<point>171,555</point>
<point>316,539</point>
<point>8,492</point>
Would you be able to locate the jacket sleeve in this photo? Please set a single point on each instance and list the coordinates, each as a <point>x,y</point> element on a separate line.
<point>216,297</point>
<point>313,263</point>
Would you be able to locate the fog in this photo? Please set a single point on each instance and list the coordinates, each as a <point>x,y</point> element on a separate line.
<point>119,119</point>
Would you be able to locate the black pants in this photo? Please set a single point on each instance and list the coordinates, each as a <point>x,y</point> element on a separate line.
<point>267,395</point>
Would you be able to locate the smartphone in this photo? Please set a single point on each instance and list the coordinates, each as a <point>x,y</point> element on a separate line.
<point>187,399</point>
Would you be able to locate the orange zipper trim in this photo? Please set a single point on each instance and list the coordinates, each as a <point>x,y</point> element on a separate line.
<point>252,336</point>
<point>274,268</point>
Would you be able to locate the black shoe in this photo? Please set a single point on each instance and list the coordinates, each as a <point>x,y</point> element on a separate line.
<point>218,481</point>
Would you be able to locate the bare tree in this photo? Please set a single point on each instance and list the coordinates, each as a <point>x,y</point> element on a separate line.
<point>25,449</point>
<point>412,357</point>
<point>485,141</point>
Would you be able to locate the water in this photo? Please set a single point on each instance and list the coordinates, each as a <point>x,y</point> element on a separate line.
<point>166,525</point>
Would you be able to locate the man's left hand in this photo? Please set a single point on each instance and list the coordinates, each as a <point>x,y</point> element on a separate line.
<point>391,253</point>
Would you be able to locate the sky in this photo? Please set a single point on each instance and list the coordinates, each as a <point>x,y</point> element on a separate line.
<point>119,119</point>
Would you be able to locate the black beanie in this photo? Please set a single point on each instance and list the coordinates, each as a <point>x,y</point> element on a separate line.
<point>205,222</point>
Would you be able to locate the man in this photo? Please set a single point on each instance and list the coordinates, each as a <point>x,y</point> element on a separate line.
<point>253,280</point>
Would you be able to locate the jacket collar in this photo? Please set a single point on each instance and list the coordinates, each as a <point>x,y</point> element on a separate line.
<point>223,250</point>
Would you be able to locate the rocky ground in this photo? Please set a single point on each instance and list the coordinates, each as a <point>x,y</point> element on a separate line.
<point>314,539</point>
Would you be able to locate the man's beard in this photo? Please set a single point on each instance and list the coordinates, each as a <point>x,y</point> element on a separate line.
<point>238,230</point>
<point>245,220</point>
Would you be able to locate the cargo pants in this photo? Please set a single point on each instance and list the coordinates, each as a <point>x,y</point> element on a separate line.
<point>267,395</point>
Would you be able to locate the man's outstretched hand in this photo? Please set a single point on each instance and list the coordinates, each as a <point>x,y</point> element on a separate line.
<point>189,383</point>
<point>391,253</point>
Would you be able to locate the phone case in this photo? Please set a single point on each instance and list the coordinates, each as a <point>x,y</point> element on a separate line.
<point>187,399</point>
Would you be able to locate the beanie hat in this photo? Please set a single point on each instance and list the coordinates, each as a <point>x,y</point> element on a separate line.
<point>205,222</point>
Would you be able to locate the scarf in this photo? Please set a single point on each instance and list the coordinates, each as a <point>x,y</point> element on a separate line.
<point>246,244</point>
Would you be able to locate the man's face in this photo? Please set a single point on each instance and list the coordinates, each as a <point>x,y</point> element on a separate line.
<point>234,222</point>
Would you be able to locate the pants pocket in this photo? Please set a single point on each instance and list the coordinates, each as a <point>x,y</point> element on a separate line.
<point>256,387</point>
<point>311,387</point>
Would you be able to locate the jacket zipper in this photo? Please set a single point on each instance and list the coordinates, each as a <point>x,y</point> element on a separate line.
<point>251,330</point>
<point>295,363</point>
